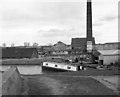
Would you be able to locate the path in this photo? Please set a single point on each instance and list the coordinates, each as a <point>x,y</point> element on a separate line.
<point>111,82</point>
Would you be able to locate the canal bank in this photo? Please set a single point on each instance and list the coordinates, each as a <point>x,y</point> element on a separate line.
<point>65,85</point>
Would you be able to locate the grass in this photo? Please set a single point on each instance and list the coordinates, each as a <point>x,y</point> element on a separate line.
<point>39,85</point>
<point>84,86</point>
<point>33,61</point>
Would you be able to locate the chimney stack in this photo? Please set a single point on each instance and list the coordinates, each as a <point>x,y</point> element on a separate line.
<point>89,26</point>
<point>89,20</point>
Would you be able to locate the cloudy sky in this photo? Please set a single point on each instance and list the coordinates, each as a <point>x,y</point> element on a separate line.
<point>50,21</point>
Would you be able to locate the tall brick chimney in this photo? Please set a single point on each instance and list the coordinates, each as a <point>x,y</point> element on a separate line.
<point>89,26</point>
<point>89,20</point>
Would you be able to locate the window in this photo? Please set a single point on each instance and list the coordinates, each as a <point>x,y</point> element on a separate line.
<point>55,65</point>
<point>68,67</point>
<point>46,64</point>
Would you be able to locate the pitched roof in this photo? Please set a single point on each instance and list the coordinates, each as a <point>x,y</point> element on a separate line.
<point>15,52</point>
<point>110,52</point>
<point>60,46</point>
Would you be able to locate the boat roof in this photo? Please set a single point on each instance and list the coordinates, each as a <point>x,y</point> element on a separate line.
<point>59,63</point>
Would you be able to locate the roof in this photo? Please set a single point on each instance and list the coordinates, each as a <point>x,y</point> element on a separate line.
<point>113,43</point>
<point>96,53</point>
<point>60,46</point>
<point>109,52</point>
<point>15,52</point>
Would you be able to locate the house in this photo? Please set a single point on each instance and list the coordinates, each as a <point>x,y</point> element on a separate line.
<point>16,52</point>
<point>60,48</point>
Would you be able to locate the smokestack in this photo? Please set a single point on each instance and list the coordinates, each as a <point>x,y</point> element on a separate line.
<point>89,26</point>
<point>89,20</point>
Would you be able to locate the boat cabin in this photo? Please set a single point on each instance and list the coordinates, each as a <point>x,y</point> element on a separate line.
<point>60,66</point>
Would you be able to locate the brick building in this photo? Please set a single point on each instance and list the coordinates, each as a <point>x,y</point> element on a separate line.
<point>16,53</point>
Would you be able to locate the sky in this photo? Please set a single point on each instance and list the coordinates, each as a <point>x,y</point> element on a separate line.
<point>49,21</point>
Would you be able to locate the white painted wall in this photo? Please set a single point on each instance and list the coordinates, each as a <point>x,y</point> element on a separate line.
<point>110,59</point>
<point>60,66</point>
<point>110,56</point>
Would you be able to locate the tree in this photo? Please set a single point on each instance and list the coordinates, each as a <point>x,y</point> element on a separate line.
<point>4,45</point>
<point>26,44</point>
<point>12,45</point>
<point>35,44</point>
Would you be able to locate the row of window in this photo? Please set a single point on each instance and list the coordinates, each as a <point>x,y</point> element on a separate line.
<point>57,66</point>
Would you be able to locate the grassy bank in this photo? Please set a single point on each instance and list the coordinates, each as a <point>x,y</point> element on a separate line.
<point>24,61</point>
<point>60,85</point>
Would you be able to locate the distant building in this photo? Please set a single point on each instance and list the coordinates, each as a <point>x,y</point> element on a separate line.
<point>110,52</point>
<point>110,56</point>
<point>46,49</point>
<point>59,48</point>
<point>12,45</point>
<point>79,45</point>
<point>26,44</point>
<point>41,52</point>
<point>108,46</point>
<point>15,52</point>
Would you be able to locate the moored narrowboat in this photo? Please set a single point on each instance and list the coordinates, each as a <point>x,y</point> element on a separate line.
<point>59,66</point>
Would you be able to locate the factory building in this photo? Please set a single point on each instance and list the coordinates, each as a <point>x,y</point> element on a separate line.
<point>18,53</point>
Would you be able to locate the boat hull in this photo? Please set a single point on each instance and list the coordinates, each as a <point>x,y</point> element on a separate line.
<point>50,69</point>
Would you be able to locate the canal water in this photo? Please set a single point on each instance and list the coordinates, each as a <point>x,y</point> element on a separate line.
<point>24,69</point>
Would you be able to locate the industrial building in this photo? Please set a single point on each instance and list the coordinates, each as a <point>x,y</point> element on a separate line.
<point>110,52</point>
<point>16,52</point>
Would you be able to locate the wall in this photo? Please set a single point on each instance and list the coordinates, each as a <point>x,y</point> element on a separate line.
<point>110,56</point>
<point>11,82</point>
<point>107,46</point>
<point>59,52</point>
<point>108,59</point>
<point>59,66</point>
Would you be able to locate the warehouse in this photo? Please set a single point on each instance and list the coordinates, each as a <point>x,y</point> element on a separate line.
<point>16,53</point>
<point>110,56</point>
